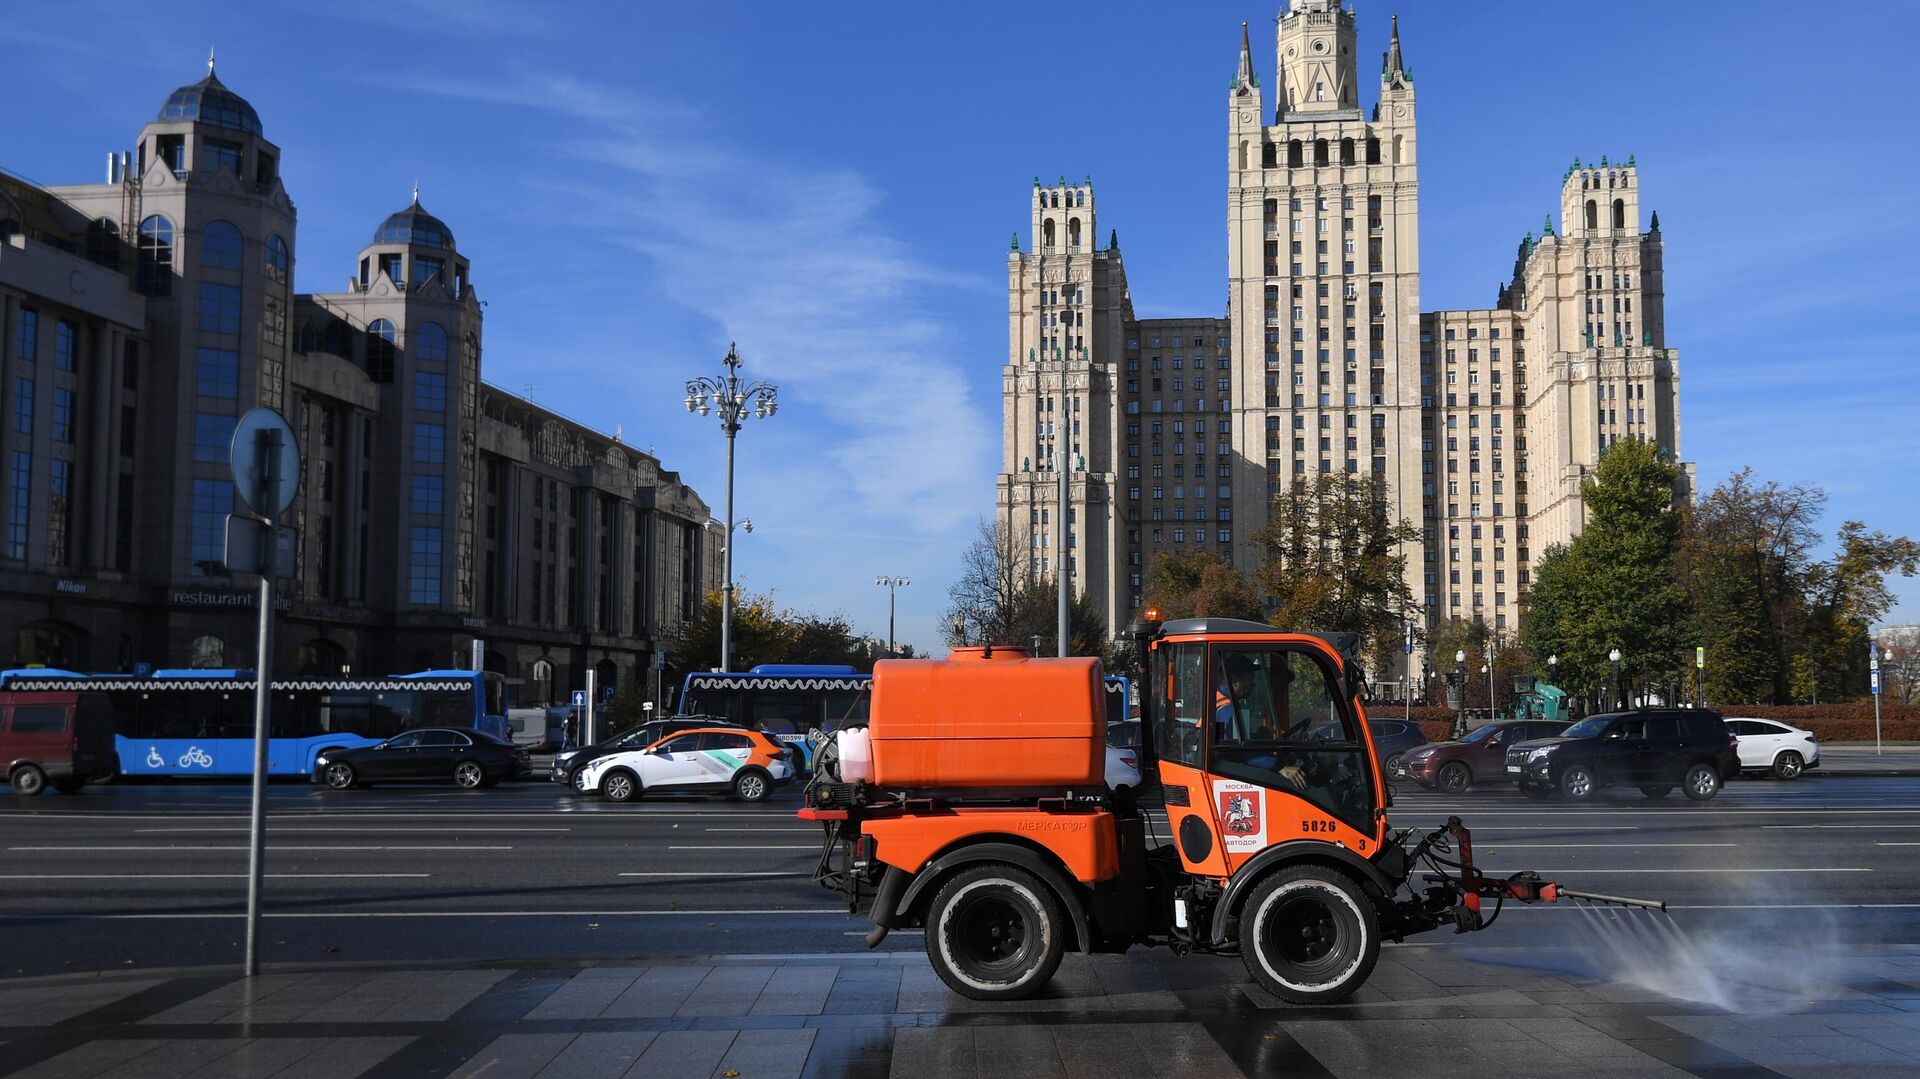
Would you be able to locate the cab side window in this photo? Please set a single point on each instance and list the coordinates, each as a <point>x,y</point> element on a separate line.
<point>1178,679</point>
<point>1278,720</point>
<point>39,718</point>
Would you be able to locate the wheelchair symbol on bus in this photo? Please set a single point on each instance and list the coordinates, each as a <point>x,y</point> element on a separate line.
<point>154,759</point>
<point>195,757</point>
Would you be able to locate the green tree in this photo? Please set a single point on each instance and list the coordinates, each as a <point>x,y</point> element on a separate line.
<point>1200,584</point>
<point>1331,559</point>
<point>1848,596</point>
<point>1631,599</point>
<point>765,633</point>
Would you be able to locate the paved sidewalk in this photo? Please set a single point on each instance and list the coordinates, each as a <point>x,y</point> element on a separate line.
<point>1428,1011</point>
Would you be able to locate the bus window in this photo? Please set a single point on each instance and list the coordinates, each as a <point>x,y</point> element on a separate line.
<point>783,714</point>
<point>446,708</point>
<point>844,707</point>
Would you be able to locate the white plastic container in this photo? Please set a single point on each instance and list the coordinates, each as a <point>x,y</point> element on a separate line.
<point>856,755</point>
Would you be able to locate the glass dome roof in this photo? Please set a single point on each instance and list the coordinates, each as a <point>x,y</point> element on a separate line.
<point>210,102</point>
<point>414,225</point>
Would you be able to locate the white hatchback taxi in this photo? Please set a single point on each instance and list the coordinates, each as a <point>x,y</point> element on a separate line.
<point>746,764</point>
<point>1767,745</point>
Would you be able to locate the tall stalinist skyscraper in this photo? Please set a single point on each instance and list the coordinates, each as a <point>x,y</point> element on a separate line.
<point>1478,424</point>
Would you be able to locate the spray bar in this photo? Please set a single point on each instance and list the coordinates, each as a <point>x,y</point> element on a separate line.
<point>1596,897</point>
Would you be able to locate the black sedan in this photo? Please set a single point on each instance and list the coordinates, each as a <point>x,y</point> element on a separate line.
<point>469,758</point>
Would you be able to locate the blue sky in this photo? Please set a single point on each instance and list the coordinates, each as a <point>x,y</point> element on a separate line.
<point>834,185</point>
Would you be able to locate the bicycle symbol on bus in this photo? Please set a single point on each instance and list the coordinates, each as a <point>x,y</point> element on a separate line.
<point>195,757</point>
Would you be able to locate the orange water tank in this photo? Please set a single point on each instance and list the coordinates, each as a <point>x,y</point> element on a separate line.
<point>999,720</point>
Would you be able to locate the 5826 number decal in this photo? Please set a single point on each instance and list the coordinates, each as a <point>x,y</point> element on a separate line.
<point>1316,826</point>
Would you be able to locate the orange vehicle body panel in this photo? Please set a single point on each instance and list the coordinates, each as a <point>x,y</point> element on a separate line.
<point>970,722</point>
<point>1083,842</point>
<point>1281,815</point>
<point>763,752</point>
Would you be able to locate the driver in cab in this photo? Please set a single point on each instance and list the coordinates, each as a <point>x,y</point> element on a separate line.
<point>1246,712</point>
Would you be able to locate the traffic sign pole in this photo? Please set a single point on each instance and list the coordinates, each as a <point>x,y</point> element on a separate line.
<point>587,721</point>
<point>1873,666</point>
<point>266,473</point>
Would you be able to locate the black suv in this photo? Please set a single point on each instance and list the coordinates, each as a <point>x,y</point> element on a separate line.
<point>566,764</point>
<point>1655,750</point>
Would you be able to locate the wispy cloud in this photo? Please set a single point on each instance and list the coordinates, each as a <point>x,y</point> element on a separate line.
<point>796,263</point>
<point>461,18</point>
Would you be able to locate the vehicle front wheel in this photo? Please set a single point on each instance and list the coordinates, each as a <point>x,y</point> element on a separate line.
<point>339,775</point>
<point>1656,793</point>
<point>1393,762</point>
<point>1455,777</point>
<point>468,775</point>
<point>619,786</point>
<point>1789,765</point>
<point>28,780</point>
<point>995,932</point>
<point>577,781</point>
<point>1308,935</point>
<point>1701,783</point>
<point>1577,783</point>
<point>752,785</point>
<point>1538,792</point>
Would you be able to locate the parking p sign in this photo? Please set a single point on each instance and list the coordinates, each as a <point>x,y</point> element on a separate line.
<point>579,698</point>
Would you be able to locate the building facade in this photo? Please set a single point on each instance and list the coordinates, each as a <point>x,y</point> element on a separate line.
<point>1479,425</point>
<point>144,315</point>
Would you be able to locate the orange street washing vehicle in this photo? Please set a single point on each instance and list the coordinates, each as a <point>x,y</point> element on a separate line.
<point>972,804</point>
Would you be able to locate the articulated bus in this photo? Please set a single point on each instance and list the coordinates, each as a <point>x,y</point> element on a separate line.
<point>200,722</point>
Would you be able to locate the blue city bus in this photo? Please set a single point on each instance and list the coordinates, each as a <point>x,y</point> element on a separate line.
<point>200,722</point>
<point>786,700</point>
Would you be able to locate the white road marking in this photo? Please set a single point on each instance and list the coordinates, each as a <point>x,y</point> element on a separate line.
<point>208,876</point>
<point>838,912</point>
<point>727,846</point>
<point>715,874</point>
<point>1588,869</point>
<point>1592,846</point>
<point>353,831</point>
<point>270,846</point>
<point>1569,905</point>
<point>1874,827</point>
<point>805,826</point>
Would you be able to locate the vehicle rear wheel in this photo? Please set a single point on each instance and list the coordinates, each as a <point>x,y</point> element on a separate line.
<point>1656,793</point>
<point>1701,783</point>
<point>994,932</point>
<point>69,785</point>
<point>28,780</point>
<point>1308,935</point>
<point>619,785</point>
<point>1538,792</point>
<point>1788,765</point>
<point>1455,777</point>
<point>752,785</point>
<point>339,775</point>
<point>468,775</point>
<point>1577,783</point>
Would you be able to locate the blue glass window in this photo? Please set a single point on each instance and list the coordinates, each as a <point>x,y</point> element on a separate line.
<point>430,343</point>
<point>63,415</point>
<point>391,266</point>
<point>212,438</point>
<point>65,337</point>
<point>380,352</point>
<point>429,444</point>
<point>219,308</point>
<point>217,373</point>
<point>26,341</point>
<point>426,269</point>
<point>59,511</point>
<point>220,246</point>
<point>212,501</point>
<point>423,566</point>
<point>429,494</point>
<point>23,405</point>
<point>156,257</point>
<point>219,155</point>
<point>278,259</point>
<point>430,391</point>
<point>19,499</point>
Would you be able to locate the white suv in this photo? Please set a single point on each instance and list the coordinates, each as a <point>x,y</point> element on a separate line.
<point>1769,746</point>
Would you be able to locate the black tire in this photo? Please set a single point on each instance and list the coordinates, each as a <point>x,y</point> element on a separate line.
<point>576,782</point>
<point>1308,935</point>
<point>1701,782</point>
<point>28,780</point>
<point>1789,765</point>
<point>1454,777</point>
<point>469,775</point>
<point>995,932</point>
<point>620,785</point>
<point>1536,791</point>
<point>340,776</point>
<point>1393,761</point>
<point>1656,793</point>
<point>752,785</point>
<point>69,785</point>
<point>1577,783</point>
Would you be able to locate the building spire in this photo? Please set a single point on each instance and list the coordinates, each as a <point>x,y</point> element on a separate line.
<point>416,192</point>
<point>1244,79</point>
<point>1393,66</point>
<point>209,59</point>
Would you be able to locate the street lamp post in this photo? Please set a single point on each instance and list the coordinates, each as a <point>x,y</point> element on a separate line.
<point>1460,671</point>
<point>1873,664</point>
<point>1613,657</point>
<point>732,396</point>
<point>1487,669</point>
<point>890,584</point>
<point>1553,661</point>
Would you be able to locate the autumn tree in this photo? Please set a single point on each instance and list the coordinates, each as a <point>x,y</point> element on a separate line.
<point>1200,584</point>
<point>1332,558</point>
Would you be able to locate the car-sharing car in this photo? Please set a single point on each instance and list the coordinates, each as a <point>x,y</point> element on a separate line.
<point>568,763</point>
<point>1480,757</point>
<point>1770,746</point>
<point>1655,750</point>
<point>728,760</point>
<point>470,758</point>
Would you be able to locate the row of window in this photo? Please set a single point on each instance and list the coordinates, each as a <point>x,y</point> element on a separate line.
<point>222,247</point>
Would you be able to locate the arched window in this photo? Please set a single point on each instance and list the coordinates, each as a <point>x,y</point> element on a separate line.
<point>1619,213</point>
<point>1373,151</point>
<point>428,342</point>
<point>103,243</point>
<point>1046,234</point>
<point>1296,154</point>
<point>380,350</point>
<point>207,652</point>
<point>1243,154</point>
<point>1073,234</point>
<point>156,257</point>
<point>1399,147</point>
<point>470,356</point>
<point>220,246</point>
<point>305,340</point>
<point>1056,200</point>
<point>278,259</point>
<point>1593,214</point>
<point>1319,151</point>
<point>1079,198</point>
<point>1346,152</point>
<point>337,339</point>
<point>542,682</point>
